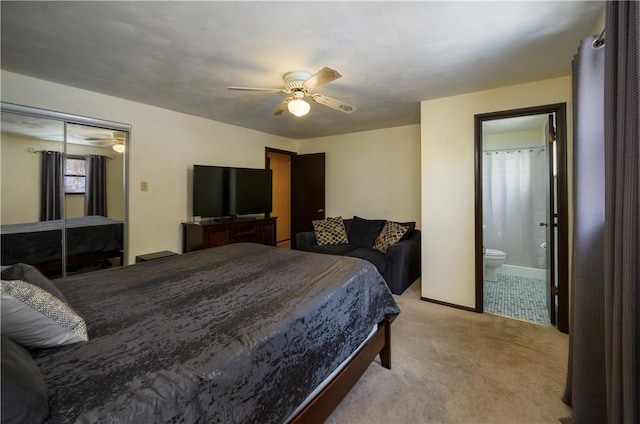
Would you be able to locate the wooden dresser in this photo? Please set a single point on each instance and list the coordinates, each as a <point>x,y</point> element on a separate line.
<point>214,233</point>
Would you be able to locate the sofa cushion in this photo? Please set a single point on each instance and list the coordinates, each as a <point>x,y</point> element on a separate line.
<point>372,255</point>
<point>363,232</point>
<point>390,235</point>
<point>411,226</point>
<point>330,231</point>
<point>332,249</point>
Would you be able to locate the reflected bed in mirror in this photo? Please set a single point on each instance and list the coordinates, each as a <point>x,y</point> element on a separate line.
<point>92,242</point>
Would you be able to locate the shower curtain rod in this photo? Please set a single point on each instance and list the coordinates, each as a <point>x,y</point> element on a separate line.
<point>599,42</point>
<point>506,149</point>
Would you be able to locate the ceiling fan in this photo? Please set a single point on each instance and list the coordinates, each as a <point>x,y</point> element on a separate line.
<point>107,138</point>
<point>300,85</point>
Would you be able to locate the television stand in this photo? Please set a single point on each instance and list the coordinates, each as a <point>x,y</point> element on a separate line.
<point>219,233</point>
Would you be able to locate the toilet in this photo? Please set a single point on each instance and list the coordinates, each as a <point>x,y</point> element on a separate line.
<point>492,260</point>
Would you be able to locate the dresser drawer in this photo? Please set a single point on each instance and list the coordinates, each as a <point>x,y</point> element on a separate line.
<point>213,234</point>
<point>243,232</point>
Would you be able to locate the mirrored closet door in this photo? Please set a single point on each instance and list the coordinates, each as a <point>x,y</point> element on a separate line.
<point>63,188</point>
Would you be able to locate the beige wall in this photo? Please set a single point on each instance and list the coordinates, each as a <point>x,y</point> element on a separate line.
<point>447,176</point>
<point>372,174</point>
<point>20,180</point>
<point>164,147</point>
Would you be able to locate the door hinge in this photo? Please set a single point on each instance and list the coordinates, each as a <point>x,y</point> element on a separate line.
<point>554,290</point>
<point>552,136</point>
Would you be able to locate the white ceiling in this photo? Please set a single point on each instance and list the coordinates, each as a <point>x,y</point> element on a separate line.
<point>183,55</point>
<point>52,130</point>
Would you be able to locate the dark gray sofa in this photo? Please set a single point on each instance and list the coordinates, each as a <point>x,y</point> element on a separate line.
<point>399,267</point>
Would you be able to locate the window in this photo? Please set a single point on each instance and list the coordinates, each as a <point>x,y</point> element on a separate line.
<point>74,175</point>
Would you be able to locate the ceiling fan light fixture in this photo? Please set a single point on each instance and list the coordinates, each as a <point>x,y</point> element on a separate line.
<point>119,146</point>
<point>298,107</point>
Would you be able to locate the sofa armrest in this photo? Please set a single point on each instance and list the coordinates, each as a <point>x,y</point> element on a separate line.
<point>403,264</point>
<point>305,240</point>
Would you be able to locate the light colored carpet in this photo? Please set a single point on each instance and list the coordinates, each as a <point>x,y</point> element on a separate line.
<point>454,366</point>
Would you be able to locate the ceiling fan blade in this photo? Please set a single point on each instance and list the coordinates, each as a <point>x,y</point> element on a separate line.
<point>272,90</point>
<point>333,103</point>
<point>322,77</point>
<point>282,107</point>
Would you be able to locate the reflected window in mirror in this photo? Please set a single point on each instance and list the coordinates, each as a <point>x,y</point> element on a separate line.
<point>74,175</point>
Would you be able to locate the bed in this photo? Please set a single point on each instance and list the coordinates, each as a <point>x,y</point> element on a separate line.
<point>89,238</point>
<point>239,333</point>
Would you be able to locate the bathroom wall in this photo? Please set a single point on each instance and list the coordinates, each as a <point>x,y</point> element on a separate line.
<point>513,139</point>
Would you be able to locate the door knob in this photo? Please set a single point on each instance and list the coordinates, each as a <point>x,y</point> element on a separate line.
<point>544,224</point>
<point>320,210</point>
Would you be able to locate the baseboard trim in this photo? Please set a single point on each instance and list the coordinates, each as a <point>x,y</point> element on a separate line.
<point>451,305</point>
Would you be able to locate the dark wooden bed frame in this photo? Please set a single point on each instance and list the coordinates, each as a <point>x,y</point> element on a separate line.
<point>321,406</point>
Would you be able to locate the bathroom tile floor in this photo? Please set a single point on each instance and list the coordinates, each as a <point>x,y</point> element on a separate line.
<point>518,297</point>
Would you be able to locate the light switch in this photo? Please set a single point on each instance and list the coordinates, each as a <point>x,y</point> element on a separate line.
<point>144,186</point>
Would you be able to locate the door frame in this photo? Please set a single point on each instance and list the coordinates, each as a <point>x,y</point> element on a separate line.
<point>268,150</point>
<point>296,157</point>
<point>562,262</point>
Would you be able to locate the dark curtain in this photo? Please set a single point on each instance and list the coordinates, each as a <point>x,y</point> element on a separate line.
<point>585,390</point>
<point>95,185</point>
<point>603,376</point>
<point>51,187</point>
<point>622,224</point>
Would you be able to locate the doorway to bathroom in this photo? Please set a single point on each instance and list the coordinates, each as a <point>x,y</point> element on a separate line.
<point>521,215</point>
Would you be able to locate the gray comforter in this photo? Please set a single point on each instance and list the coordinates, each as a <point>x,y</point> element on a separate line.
<point>240,333</point>
<point>38,242</point>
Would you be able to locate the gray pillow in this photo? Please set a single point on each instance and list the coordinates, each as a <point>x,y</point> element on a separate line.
<point>34,317</point>
<point>24,394</point>
<point>33,276</point>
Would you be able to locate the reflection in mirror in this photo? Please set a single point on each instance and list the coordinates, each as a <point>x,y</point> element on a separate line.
<point>20,191</point>
<point>50,188</point>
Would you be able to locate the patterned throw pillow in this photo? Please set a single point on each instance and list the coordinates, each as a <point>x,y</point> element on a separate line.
<point>33,317</point>
<point>330,231</point>
<point>390,234</point>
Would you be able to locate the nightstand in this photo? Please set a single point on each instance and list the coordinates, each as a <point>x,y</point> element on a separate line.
<point>155,255</point>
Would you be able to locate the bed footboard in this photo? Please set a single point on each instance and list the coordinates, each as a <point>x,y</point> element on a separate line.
<point>321,406</point>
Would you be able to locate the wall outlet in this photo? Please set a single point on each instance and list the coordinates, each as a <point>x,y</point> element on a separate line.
<point>144,186</point>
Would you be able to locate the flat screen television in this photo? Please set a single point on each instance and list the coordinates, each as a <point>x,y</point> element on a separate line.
<point>220,191</point>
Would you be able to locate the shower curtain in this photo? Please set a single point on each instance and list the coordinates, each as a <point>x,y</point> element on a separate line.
<point>514,204</point>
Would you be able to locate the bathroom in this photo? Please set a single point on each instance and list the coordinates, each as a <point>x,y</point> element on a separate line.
<point>515,204</point>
